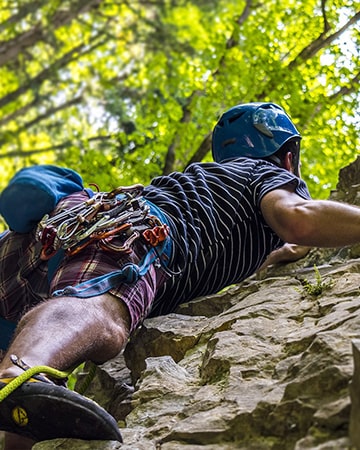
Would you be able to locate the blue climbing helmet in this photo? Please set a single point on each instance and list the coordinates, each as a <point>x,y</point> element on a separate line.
<point>255,130</point>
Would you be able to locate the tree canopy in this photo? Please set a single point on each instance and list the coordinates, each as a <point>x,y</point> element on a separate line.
<point>127,90</point>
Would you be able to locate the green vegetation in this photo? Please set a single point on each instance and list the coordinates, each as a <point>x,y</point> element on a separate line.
<point>318,287</point>
<point>126,90</point>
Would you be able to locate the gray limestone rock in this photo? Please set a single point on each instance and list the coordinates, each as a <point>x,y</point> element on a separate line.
<point>263,365</point>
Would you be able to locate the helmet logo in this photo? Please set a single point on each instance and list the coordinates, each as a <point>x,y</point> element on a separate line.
<point>263,129</point>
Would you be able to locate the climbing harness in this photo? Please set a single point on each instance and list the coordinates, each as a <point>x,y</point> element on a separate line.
<point>121,213</point>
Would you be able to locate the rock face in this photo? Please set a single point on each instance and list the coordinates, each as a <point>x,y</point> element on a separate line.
<point>265,365</point>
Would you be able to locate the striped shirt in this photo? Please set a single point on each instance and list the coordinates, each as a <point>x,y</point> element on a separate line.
<point>218,232</point>
<point>220,237</point>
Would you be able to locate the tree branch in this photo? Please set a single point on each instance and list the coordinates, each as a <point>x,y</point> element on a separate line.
<point>35,82</point>
<point>20,111</point>
<point>49,112</point>
<point>10,50</point>
<point>323,10</point>
<point>202,150</point>
<point>186,117</point>
<point>321,42</point>
<point>232,41</point>
<point>353,86</point>
<point>63,146</point>
<point>204,147</point>
<point>22,12</point>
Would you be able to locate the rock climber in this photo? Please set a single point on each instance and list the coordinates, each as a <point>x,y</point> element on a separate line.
<point>80,275</point>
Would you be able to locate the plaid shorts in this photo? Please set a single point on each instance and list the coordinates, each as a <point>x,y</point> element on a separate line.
<point>23,275</point>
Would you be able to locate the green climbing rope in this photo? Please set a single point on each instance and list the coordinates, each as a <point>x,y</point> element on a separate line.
<point>25,376</point>
<point>36,370</point>
<point>88,379</point>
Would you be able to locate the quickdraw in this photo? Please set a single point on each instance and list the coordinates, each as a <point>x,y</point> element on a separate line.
<point>122,214</point>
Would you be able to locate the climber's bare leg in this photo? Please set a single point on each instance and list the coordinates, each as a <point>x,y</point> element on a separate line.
<point>66,331</point>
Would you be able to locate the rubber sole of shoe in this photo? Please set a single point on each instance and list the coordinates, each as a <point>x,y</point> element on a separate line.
<point>44,411</point>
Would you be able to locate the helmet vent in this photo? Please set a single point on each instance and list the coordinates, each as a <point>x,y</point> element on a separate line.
<point>232,119</point>
<point>228,142</point>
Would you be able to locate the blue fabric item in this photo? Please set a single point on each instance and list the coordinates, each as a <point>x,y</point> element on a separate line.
<point>7,329</point>
<point>33,192</point>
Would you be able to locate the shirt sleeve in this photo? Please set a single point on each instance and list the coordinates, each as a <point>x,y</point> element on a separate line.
<point>268,177</point>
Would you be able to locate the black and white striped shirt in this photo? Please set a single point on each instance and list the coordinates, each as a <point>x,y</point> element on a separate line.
<point>220,236</point>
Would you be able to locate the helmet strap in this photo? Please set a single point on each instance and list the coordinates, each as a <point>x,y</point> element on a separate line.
<point>276,160</point>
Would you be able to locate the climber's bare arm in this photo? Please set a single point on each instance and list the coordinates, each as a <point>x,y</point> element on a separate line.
<point>314,223</point>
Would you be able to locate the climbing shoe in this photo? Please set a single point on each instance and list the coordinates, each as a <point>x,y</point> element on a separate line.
<point>42,410</point>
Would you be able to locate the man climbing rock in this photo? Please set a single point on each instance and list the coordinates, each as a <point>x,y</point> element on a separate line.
<point>79,277</point>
